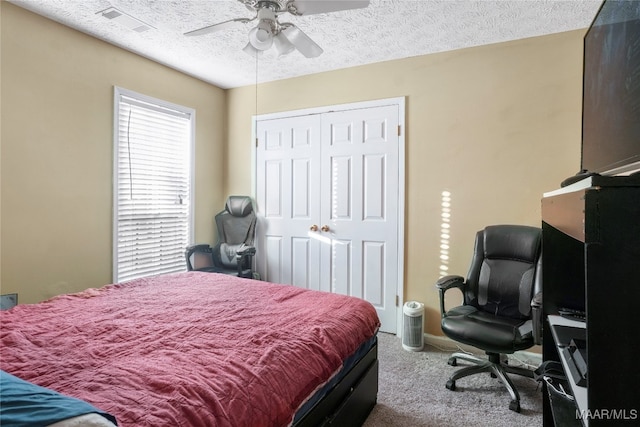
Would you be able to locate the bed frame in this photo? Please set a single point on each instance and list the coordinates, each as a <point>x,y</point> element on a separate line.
<point>349,403</point>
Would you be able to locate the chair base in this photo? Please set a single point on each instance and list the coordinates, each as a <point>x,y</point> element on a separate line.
<point>496,365</point>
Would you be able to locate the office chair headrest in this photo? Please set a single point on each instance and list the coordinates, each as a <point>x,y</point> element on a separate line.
<point>517,242</point>
<point>239,205</point>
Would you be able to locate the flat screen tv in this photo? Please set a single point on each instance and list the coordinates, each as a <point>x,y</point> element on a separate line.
<point>611,90</point>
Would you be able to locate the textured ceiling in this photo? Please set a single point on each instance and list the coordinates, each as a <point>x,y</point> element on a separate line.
<point>386,30</point>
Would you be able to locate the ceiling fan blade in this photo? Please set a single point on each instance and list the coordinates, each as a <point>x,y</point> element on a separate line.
<point>217,27</point>
<point>311,7</point>
<point>301,41</point>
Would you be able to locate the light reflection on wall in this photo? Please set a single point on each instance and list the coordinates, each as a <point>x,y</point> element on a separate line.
<point>445,232</point>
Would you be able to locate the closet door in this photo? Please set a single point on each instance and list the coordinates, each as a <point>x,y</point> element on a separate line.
<point>288,201</point>
<point>327,199</point>
<point>288,184</point>
<point>359,207</point>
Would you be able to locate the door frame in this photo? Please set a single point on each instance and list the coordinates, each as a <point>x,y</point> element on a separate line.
<point>400,103</point>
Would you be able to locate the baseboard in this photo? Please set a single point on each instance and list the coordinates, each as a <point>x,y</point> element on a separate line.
<point>528,358</point>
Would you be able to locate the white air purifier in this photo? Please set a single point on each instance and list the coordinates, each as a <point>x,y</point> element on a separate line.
<point>413,326</point>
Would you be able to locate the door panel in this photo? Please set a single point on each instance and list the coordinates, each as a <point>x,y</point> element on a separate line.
<point>341,268</point>
<point>374,187</point>
<point>272,205</point>
<point>300,263</point>
<point>340,199</point>
<point>373,258</point>
<point>301,169</point>
<point>272,268</point>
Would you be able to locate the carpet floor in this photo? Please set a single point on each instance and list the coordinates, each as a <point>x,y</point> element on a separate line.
<point>412,393</point>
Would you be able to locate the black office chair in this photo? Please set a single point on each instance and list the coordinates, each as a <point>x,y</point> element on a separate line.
<point>501,311</point>
<point>234,251</point>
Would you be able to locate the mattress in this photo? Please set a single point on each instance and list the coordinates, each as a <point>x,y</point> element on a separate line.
<point>188,349</point>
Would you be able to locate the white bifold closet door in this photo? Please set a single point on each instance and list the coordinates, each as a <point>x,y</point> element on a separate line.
<point>327,193</point>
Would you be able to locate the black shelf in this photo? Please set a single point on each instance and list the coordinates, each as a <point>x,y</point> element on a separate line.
<point>591,262</point>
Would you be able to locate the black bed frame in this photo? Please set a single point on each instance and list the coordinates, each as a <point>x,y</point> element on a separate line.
<point>351,400</point>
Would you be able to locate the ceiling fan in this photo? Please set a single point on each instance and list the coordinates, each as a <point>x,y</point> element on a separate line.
<point>285,36</point>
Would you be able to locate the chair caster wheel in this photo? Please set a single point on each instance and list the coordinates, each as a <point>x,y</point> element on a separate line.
<point>514,405</point>
<point>452,361</point>
<point>451,385</point>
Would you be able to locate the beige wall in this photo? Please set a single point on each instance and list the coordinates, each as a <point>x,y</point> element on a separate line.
<point>57,155</point>
<point>495,125</point>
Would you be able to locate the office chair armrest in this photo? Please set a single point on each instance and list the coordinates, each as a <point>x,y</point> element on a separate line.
<point>447,282</point>
<point>199,248</point>
<point>444,284</point>
<point>536,317</point>
<point>245,250</point>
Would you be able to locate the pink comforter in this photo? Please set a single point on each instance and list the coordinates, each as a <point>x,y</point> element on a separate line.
<point>188,349</point>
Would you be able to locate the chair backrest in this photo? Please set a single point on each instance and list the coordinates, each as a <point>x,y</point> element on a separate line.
<point>505,271</point>
<point>236,226</point>
<point>236,223</point>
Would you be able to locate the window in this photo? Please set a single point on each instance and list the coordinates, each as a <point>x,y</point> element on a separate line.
<point>153,143</point>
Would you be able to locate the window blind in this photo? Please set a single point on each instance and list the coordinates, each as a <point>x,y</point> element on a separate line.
<point>153,186</point>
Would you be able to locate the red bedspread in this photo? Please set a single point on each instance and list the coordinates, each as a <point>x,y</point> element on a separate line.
<point>188,349</point>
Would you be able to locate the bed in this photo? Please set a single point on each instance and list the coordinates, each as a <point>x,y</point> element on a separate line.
<point>201,349</point>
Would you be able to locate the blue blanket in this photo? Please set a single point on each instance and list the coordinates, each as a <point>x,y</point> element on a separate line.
<point>23,404</point>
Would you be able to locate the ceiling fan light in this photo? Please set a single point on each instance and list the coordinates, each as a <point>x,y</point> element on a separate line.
<point>260,36</point>
<point>282,44</point>
<point>251,51</point>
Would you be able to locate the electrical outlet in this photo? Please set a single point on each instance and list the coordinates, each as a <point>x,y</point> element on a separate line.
<point>8,301</point>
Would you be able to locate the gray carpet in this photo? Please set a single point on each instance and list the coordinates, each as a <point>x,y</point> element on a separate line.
<point>412,393</point>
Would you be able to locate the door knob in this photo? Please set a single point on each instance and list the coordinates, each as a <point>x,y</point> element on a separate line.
<point>325,228</point>
<point>314,227</point>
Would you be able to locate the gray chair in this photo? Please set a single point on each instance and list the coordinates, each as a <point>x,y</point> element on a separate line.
<point>501,309</point>
<point>233,253</point>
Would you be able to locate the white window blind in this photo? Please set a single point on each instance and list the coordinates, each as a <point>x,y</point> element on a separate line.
<point>153,143</point>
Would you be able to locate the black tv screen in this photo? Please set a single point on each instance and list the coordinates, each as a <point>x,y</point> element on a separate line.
<point>611,90</point>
